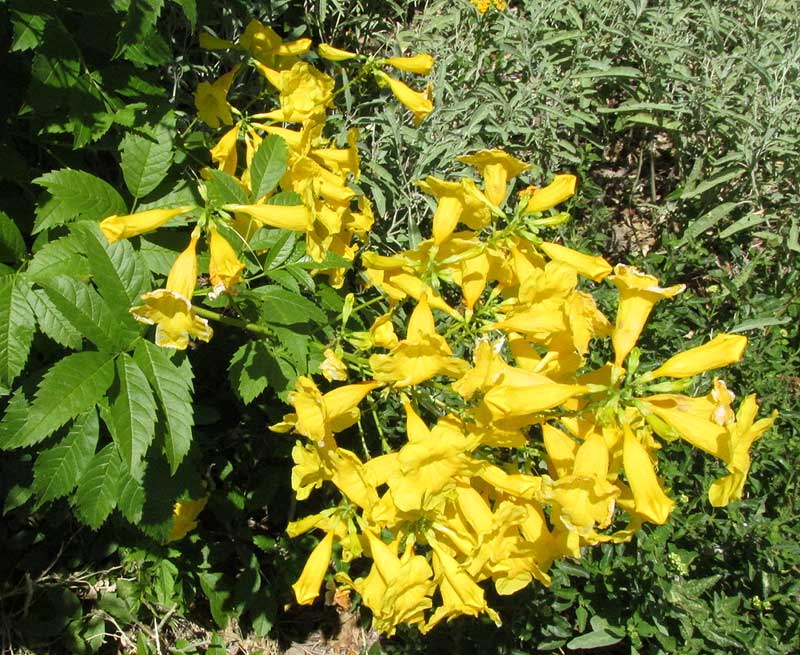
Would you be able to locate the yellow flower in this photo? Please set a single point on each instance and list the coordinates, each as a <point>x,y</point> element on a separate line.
<point>306,589</point>
<point>456,204</point>
<point>561,188</point>
<point>289,217</point>
<point>722,350</point>
<point>224,267</point>
<point>224,152</point>
<point>649,499</point>
<point>334,54</point>
<point>595,268</point>
<point>211,100</point>
<point>267,47</point>
<point>420,356</point>
<point>419,64</point>
<point>677,412</point>
<point>638,293</point>
<point>170,308</point>
<point>418,103</point>
<point>496,167</point>
<point>116,227</point>
<point>333,368</point>
<point>183,517</point>
<point>305,92</point>
<point>741,435</point>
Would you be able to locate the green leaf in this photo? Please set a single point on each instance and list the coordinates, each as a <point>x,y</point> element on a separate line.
<point>117,270</point>
<point>70,387</point>
<point>88,313</point>
<point>28,30</point>
<point>283,307</point>
<point>13,423</point>
<point>744,223</point>
<point>706,221</point>
<point>97,492</point>
<point>595,639</point>
<point>269,165</point>
<point>133,413</point>
<point>74,195</point>
<point>12,245</point>
<point>52,322</point>
<point>724,176</point>
<point>57,471</point>
<point>224,189</point>
<point>189,9</point>
<point>130,500</point>
<point>16,328</point>
<point>139,23</point>
<point>146,159</point>
<point>249,370</point>
<point>173,387</point>
<point>60,256</point>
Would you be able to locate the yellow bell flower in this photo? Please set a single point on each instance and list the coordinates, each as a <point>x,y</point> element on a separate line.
<point>650,501</point>
<point>264,44</point>
<point>305,92</point>
<point>332,367</point>
<point>306,589</point>
<point>638,294</point>
<point>560,189</point>
<point>595,268</point>
<point>741,435</point>
<point>115,228</point>
<point>455,204</point>
<point>224,154</point>
<point>184,515</point>
<point>420,356</point>
<point>211,102</point>
<point>288,217</point>
<point>420,64</point>
<point>170,308</point>
<point>224,268</point>
<point>699,431</point>
<point>496,167</point>
<point>419,103</point>
<point>528,401</point>
<point>330,53</point>
<point>722,350</point>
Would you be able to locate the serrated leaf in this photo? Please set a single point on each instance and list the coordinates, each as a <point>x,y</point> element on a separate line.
<point>16,328</point>
<point>62,256</point>
<point>173,388</point>
<point>28,30</point>
<point>96,496</point>
<point>13,423</point>
<point>145,159</point>
<point>117,269</point>
<point>69,388</point>
<point>140,22</point>
<point>268,166</point>
<point>52,322</point>
<point>88,313</point>
<point>12,245</point>
<point>130,496</point>
<point>75,195</point>
<point>133,413</point>
<point>283,307</point>
<point>224,189</point>
<point>249,371</point>
<point>58,470</point>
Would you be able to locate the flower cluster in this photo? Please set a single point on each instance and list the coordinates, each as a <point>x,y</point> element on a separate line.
<point>486,382</point>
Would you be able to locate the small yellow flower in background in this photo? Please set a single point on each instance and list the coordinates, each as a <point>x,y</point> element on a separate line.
<point>211,102</point>
<point>330,53</point>
<point>184,516</point>
<point>420,64</point>
<point>116,227</point>
<point>333,368</point>
<point>224,267</point>
<point>170,309</point>
<point>496,167</point>
<point>484,5</point>
<point>419,103</point>
<point>560,189</point>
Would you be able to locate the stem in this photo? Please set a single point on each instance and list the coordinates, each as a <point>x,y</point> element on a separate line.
<point>235,322</point>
